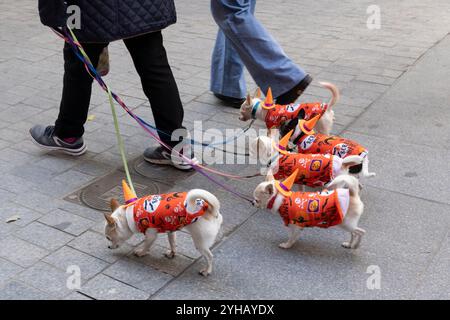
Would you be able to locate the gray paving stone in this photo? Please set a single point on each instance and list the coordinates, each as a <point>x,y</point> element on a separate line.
<point>8,270</point>
<point>409,167</point>
<point>44,236</point>
<point>435,282</point>
<point>158,261</point>
<point>20,252</point>
<point>96,245</point>
<point>324,270</point>
<point>106,288</point>
<point>15,290</point>
<point>67,222</point>
<point>9,209</point>
<point>138,275</point>
<point>47,278</point>
<point>67,256</point>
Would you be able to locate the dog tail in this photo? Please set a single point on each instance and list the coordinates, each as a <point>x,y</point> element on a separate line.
<point>345,181</point>
<point>335,94</point>
<point>213,202</point>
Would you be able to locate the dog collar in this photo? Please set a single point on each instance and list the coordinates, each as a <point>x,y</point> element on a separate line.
<point>129,214</point>
<point>254,109</point>
<point>271,202</point>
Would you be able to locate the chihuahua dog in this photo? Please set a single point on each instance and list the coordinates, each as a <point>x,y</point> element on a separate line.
<point>328,208</point>
<point>196,211</point>
<point>276,115</point>
<point>315,170</point>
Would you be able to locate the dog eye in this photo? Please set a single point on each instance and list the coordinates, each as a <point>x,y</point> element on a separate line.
<point>108,238</point>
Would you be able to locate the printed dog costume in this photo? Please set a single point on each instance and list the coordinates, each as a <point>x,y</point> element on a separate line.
<point>196,211</point>
<point>309,142</point>
<point>341,206</point>
<point>313,170</point>
<point>311,209</point>
<point>166,212</point>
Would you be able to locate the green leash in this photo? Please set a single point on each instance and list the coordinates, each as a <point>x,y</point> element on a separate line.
<point>116,121</point>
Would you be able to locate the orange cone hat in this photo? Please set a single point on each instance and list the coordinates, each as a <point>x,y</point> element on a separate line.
<point>285,187</point>
<point>268,103</point>
<point>283,143</point>
<point>307,126</point>
<point>128,195</point>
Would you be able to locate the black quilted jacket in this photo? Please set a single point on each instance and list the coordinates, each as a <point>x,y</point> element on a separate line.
<point>109,20</point>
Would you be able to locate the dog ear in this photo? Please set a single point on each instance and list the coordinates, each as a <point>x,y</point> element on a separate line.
<point>269,189</point>
<point>257,94</point>
<point>109,219</point>
<point>270,177</point>
<point>114,204</point>
<point>249,100</point>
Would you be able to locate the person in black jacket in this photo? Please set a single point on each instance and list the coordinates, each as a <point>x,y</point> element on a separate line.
<point>138,23</point>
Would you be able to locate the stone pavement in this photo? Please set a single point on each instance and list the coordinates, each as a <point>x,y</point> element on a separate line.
<point>395,101</point>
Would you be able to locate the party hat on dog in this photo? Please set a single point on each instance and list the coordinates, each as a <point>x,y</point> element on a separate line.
<point>268,103</point>
<point>285,187</point>
<point>307,126</point>
<point>128,195</point>
<point>281,146</point>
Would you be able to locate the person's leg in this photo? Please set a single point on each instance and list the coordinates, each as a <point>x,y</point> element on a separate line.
<point>261,54</point>
<point>150,59</point>
<point>159,85</point>
<point>76,95</point>
<point>66,134</point>
<point>227,70</point>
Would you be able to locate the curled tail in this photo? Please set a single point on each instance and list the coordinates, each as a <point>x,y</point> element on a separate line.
<point>213,202</point>
<point>345,181</point>
<point>335,94</point>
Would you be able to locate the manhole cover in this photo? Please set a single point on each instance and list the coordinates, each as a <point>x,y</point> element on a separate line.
<point>98,194</point>
<point>160,173</point>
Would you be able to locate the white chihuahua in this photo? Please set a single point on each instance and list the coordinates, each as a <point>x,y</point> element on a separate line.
<point>341,206</point>
<point>197,211</point>
<point>277,115</point>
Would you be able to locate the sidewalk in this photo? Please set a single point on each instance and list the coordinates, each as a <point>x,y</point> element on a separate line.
<point>395,101</point>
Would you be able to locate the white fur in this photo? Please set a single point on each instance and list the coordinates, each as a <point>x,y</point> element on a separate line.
<point>265,191</point>
<point>203,232</point>
<point>324,125</point>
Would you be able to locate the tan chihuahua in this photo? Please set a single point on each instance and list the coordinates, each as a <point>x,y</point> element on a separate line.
<point>196,211</point>
<point>342,206</point>
<point>277,115</point>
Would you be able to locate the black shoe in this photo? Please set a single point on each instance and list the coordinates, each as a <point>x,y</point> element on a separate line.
<point>45,138</point>
<point>234,102</point>
<point>160,155</point>
<point>292,95</point>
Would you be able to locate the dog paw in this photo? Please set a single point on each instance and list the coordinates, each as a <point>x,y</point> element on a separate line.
<point>140,252</point>
<point>285,245</point>
<point>371,174</point>
<point>204,272</point>
<point>170,254</point>
<point>346,245</point>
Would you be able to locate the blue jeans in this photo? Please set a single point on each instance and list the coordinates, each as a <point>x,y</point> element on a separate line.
<point>242,40</point>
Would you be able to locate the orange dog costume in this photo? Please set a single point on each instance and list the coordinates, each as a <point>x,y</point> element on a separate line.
<point>278,114</point>
<point>164,212</point>
<point>312,143</point>
<point>311,209</point>
<point>313,169</point>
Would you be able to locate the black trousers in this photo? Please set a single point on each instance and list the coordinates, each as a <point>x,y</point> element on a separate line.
<point>150,60</point>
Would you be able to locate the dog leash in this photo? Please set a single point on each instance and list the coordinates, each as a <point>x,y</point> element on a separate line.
<point>93,73</point>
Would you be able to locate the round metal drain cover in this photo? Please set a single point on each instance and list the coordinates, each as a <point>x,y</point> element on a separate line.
<point>98,194</point>
<point>166,174</point>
